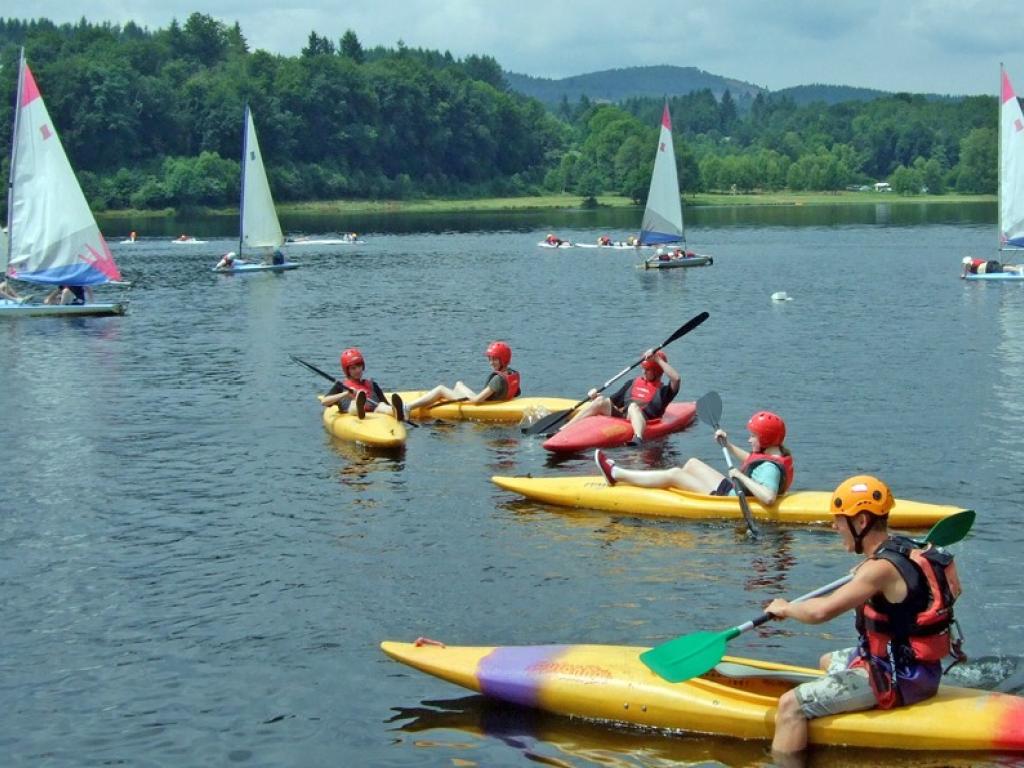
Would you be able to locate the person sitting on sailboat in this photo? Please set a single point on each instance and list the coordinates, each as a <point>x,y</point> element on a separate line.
<point>69,294</point>
<point>502,384</point>
<point>663,255</point>
<point>644,398</point>
<point>277,257</point>
<point>228,261</point>
<point>365,393</point>
<point>7,292</point>
<point>972,266</point>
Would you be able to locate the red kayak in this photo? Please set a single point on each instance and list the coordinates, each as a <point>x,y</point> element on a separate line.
<point>610,431</point>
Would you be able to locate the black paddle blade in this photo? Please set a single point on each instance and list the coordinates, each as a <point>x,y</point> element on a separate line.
<point>547,423</point>
<point>690,324</point>
<point>709,409</point>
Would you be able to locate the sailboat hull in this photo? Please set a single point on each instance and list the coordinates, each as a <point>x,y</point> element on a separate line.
<point>689,261</point>
<point>14,309</point>
<point>242,269</point>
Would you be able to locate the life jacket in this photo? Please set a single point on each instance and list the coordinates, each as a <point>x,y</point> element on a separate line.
<point>784,463</point>
<point>902,644</point>
<point>643,391</point>
<point>604,240</point>
<point>511,378</point>
<point>364,385</point>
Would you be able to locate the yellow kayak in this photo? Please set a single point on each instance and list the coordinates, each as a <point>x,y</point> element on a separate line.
<point>376,430</point>
<point>737,698</point>
<point>797,507</point>
<point>501,412</point>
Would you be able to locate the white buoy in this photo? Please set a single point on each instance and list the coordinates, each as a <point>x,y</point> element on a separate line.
<point>781,296</point>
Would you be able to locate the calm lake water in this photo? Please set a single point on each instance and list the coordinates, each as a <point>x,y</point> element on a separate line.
<point>194,573</point>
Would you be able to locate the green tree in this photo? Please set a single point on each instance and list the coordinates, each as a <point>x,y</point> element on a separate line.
<point>351,48</point>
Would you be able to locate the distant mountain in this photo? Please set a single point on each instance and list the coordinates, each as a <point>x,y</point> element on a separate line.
<point>616,85</point>
<point>619,84</point>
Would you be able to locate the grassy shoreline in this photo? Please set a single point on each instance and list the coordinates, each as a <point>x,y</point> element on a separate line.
<point>574,202</point>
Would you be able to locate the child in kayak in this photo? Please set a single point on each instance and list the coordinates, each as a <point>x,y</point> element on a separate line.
<point>644,398</point>
<point>502,384</point>
<point>766,471</point>
<point>903,596</point>
<point>365,393</point>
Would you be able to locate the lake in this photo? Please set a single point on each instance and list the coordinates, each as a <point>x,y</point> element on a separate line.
<point>194,573</point>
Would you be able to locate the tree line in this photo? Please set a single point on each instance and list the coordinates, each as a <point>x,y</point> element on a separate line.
<point>153,119</point>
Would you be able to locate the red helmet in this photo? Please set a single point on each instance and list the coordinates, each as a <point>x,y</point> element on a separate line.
<point>351,356</point>
<point>652,364</point>
<point>768,428</point>
<point>500,350</point>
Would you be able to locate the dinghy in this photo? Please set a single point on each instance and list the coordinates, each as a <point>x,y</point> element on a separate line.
<point>52,238</point>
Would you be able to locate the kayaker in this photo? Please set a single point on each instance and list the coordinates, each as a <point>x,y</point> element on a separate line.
<point>502,384</point>
<point>972,266</point>
<point>903,597</point>
<point>604,240</point>
<point>766,471</point>
<point>555,241</point>
<point>644,398</point>
<point>365,393</point>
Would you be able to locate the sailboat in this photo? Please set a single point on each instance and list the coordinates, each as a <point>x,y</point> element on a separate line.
<point>258,227</point>
<point>51,238</point>
<point>663,218</point>
<point>1011,181</point>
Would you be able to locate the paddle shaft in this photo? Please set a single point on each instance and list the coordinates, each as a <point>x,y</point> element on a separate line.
<point>712,413</point>
<point>548,422</point>
<point>766,617</point>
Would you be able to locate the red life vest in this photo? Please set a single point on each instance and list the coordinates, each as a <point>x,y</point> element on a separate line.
<point>643,390</point>
<point>364,385</point>
<point>511,378</point>
<point>784,463</point>
<point>907,635</point>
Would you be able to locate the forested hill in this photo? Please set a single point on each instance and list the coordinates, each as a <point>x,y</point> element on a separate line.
<point>617,85</point>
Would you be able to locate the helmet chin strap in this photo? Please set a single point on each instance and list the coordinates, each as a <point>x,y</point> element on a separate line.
<point>858,538</point>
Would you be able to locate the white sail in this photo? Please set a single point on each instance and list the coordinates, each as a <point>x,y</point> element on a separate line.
<point>663,217</point>
<point>1011,167</point>
<point>52,236</point>
<point>260,227</point>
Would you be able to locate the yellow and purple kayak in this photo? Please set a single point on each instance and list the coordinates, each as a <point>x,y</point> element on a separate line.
<point>797,507</point>
<point>376,430</point>
<point>499,412</point>
<point>737,699</point>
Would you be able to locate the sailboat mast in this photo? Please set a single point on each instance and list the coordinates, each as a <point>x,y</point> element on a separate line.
<point>241,199</point>
<point>999,160</point>
<point>14,157</point>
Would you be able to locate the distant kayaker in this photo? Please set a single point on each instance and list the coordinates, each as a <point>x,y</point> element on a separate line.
<point>555,241</point>
<point>604,240</point>
<point>502,384</point>
<point>183,238</point>
<point>644,398</point>
<point>903,597</point>
<point>766,470</point>
<point>972,266</point>
<point>365,393</point>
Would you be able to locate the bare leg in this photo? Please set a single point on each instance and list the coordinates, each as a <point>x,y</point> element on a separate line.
<point>600,405</point>
<point>695,476</point>
<point>790,727</point>
<point>637,420</point>
<point>438,393</point>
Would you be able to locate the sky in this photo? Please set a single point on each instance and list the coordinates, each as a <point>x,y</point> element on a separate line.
<point>920,46</point>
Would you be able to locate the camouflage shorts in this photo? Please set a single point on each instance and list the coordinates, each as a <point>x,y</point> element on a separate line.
<point>840,690</point>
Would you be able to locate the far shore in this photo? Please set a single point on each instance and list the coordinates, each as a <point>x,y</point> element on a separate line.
<point>575,202</point>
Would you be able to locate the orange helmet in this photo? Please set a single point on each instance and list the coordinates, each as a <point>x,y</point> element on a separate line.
<point>862,493</point>
<point>768,428</point>
<point>652,363</point>
<point>351,356</point>
<point>500,350</point>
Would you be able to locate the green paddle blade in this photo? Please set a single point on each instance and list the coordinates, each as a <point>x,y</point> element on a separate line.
<point>950,530</point>
<point>688,656</point>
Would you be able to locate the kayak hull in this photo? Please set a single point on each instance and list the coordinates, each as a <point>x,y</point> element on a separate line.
<point>610,431</point>
<point>503,412</point>
<point>689,261</point>
<point>377,430</point>
<point>803,507</point>
<point>999,276</point>
<point>610,683</point>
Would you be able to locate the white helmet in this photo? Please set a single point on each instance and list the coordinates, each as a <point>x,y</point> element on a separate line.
<point>966,260</point>
<point>660,252</point>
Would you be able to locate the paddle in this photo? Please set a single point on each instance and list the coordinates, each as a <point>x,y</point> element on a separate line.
<point>553,419</point>
<point>341,384</point>
<point>692,655</point>
<point>709,410</point>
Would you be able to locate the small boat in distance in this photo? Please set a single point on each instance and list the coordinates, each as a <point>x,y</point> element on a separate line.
<point>52,238</point>
<point>663,217</point>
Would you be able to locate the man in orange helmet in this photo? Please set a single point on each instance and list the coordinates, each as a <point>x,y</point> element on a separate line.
<point>903,597</point>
